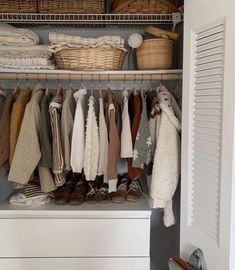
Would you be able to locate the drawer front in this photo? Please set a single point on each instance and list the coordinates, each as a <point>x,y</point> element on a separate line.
<point>75,264</point>
<point>74,237</point>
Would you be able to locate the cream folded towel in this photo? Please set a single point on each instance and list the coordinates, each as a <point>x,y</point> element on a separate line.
<point>10,35</point>
<point>61,41</point>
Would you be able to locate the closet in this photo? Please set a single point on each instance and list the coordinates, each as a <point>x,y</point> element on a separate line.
<point>117,236</point>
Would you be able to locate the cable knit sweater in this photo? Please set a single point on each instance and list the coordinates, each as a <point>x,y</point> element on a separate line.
<point>166,166</point>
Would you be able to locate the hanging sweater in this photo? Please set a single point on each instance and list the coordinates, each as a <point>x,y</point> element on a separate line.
<point>143,144</point>
<point>103,136</point>
<point>17,115</point>
<point>5,131</point>
<point>114,145</point>
<point>91,156</point>
<point>135,113</point>
<point>126,140</point>
<point>57,155</point>
<point>78,136</point>
<point>68,110</point>
<point>166,167</point>
<point>27,153</point>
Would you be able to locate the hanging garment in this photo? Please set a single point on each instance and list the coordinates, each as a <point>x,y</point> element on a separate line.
<point>103,136</point>
<point>55,109</point>
<point>166,166</point>
<point>45,138</point>
<point>27,153</point>
<point>17,115</point>
<point>91,156</point>
<point>2,99</point>
<point>68,110</point>
<point>143,144</point>
<point>154,125</point>
<point>114,146</point>
<point>78,136</point>
<point>5,131</point>
<point>135,113</point>
<point>126,140</point>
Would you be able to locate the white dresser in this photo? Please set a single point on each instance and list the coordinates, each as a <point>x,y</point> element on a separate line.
<point>87,237</point>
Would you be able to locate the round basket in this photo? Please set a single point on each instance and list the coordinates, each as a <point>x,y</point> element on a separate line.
<point>90,58</point>
<point>155,54</point>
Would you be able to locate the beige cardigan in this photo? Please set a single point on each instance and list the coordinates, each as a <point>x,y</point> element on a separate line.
<point>27,153</point>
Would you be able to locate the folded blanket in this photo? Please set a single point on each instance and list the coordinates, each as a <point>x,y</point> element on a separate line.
<point>62,41</point>
<point>21,200</point>
<point>10,35</point>
<point>32,57</point>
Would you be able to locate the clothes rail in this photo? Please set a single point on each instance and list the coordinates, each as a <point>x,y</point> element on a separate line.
<point>122,75</point>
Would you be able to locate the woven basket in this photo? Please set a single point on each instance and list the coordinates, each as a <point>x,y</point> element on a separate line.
<point>18,6</point>
<point>143,6</point>
<point>71,6</point>
<point>155,54</point>
<point>90,58</point>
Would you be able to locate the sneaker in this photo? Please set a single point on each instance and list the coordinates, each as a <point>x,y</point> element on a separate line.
<point>78,196</point>
<point>103,195</point>
<point>91,196</point>
<point>120,195</point>
<point>134,192</point>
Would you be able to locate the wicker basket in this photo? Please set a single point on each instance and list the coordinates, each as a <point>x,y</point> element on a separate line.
<point>18,6</point>
<point>155,54</point>
<point>90,58</point>
<point>71,6</point>
<point>143,6</point>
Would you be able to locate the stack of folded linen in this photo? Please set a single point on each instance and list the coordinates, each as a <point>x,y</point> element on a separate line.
<point>61,41</point>
<point>19,49</point>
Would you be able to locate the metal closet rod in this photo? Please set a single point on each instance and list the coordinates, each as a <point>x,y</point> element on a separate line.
<point>95,76</point>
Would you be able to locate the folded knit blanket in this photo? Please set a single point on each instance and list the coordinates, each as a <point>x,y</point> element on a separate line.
<point>62,41</point>
<point>10,35</point>
<point>32,57</point>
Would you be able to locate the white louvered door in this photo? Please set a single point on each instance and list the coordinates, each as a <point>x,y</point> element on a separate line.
<point>207,194</point>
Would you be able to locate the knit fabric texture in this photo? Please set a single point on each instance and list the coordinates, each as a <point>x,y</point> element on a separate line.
<point>91,157</point>
<point>17,115</point>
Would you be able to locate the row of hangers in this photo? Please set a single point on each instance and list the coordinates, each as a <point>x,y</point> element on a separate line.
<point>59,88</point>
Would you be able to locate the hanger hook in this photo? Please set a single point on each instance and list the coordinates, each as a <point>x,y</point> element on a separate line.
<point>124,83</point>
<point>92,84</point>
<point>108,82</point>
<point>58,79</point>
<point>150,83</point>
<point>38,78</point>
<point>100,86</point>
<point>47,82</point>
<point>27,80</point>
<point>141,83</point>
<point>81,80</point>
<point>70,81</point>
<point>17,80</point>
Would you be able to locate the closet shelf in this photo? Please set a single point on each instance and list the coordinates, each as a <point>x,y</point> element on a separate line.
<point>122,75</point>
<point>110,210</point>
<point>35,19</point>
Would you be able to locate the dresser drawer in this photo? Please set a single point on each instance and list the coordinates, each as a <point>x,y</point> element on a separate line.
<point>74,238</point>
<point>75,263</point>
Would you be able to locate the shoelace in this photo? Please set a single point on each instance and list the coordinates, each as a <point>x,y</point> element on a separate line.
<point>123,186</point>
<point>135,185</point>
<point>93,190</point>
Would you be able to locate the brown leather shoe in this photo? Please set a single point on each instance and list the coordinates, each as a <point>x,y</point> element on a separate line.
<point>134,192</point>
<point>120,195</point>
<point>91,196</point>
<point>62,194</point>
<point>103,195</point>
<point>79,194</point>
